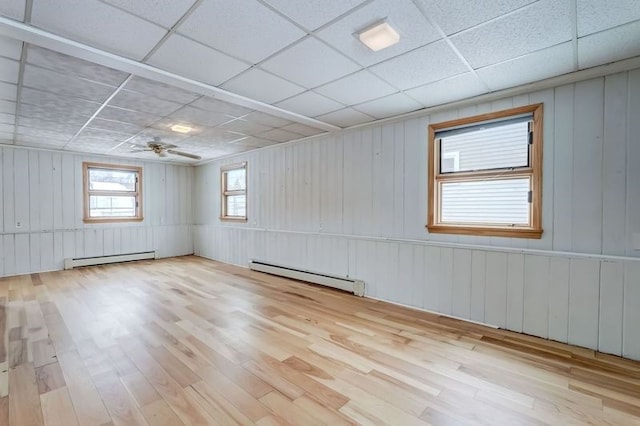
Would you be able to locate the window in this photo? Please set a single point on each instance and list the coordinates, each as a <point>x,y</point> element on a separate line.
<point>112,193</point>
<point>234,192</point>
<point>485,174</point>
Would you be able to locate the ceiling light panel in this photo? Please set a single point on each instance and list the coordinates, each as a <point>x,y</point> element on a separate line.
<point>517,33</point>
<point>407,20</point>
<point>99,25</point>
<point>379,37</point>
<point>197,61</point>
<point>180,128</point>
<point>314,13</point>
<point>310,63</point>
<point>244,29</point>
<point>68,65</point>
<point>261,85</point>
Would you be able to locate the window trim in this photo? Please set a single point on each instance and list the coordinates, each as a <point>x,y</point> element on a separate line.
<point>534,231</point>
<point>224,193</point>
<point>87,193</point>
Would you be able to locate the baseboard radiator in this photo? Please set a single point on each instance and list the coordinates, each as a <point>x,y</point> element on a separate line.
<point>102,260</point>
<point>342,283</point>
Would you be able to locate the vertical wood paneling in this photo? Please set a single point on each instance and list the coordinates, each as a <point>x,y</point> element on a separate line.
<point>611,307</point>
<point>563,169</point>
<point>398,180</point>
<point>46,205</point>
<point>445,287</point>
<point>536,295</point>
<point>478,285</point>
<point>385,182</point>
<point>8,191</point>
<point>35,198</point>
<point>461,283</point>
<point>587,166</point>
<point>2,194</point>
<point>584,292</point>
<point>559,299</point>
<point>414,184</point>
<point>631,336</point>
<point>633,162</point>
<point>515,291</point>
<point>495,312</point>
<point>404,282</point>
<point>21,190</point>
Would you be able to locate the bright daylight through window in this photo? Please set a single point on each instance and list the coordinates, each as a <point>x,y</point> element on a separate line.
<point>485,174</point>
<point>112,193</point>
<point>234,192</point>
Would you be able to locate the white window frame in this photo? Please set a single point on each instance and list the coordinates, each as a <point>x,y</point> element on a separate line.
<point>533,171</point>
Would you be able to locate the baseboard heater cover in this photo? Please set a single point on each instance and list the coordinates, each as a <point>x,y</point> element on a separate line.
<point>342,283</point>
<point>102,260</point>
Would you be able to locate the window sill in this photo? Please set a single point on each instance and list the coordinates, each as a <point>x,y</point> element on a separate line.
<point>486,231</point>
<point>112,220</point>
<point>233,219</point>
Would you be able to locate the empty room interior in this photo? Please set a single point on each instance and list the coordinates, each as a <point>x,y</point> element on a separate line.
<point>338,212</point>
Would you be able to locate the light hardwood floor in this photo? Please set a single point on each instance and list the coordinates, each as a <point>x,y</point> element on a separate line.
<point>188,340</point>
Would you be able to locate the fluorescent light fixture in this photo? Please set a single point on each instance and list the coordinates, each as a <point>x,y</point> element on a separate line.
<point>179,128</point>
<point>379,36</point>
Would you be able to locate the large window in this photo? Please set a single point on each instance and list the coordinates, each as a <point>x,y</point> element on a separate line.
<point>112,193</point>
<point>485,174</point>
<point>234,192</point>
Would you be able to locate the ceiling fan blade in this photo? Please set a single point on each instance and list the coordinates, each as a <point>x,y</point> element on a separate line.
<point>141,150</point>
<point>163,145</point>
<point>184,154</point>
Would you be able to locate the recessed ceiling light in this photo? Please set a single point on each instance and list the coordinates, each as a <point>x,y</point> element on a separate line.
<point>179,128</point>
<point>379,36</point>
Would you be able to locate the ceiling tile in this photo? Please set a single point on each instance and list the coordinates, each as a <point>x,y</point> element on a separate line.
<point>245,127</point>
<point>262,86</point>
<point>402,15</point>
<point>8,92</point>
<point>69,65</point>
<point>598,15</point>
<point>535,66</point>
<point>127,116</point>
<point>253,142</point>
<point>7,128</point>
<point>421,66</point>
<point>44,135</point>
<point>13,9</point>
<point>37,141</point>
<point>61,127</point>
<point>7,106</point>
<point>162,12</point>
<point>396,104</point>
<point>608,46</point>
<point>6,137</point>
<point>310,63</point>
<point>189,114</point>
<point>212,137</point>
<point>542,24</point>
<point>10,48</point>
<point>244,29</point>
<point>89,132</point>
<point>6,118</point>
<point>345,117</point>
<point>148,135</point>
<point>99,25</point>
<point>73,106</point>
<point>312,14</point>
<point>279,135</point>
<point>90,144</point>
<point>194,60</point>
<point>52,114</point>
<point>266,119</point>
<point>61,84</point>
<point>303,130</point>
<point>208,103</point>
<point>457,15</point>
<point>451,89</point>
<point>143,103</point>
<point>356,88</point>
<point>161,90</point>
<point>310,104</point>
<point>9,70</point>
<point>115,126</point>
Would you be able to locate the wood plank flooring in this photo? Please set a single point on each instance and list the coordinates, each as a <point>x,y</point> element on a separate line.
<point>196,342</point>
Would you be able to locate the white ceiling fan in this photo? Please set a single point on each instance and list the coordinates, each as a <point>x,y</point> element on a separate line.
<point>162,149</point>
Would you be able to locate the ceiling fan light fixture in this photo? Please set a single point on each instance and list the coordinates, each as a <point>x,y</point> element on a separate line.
<point>179,128</point>
<point>379,36</point>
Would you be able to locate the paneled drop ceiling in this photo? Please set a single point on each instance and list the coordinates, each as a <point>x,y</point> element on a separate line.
<point>245,74</point>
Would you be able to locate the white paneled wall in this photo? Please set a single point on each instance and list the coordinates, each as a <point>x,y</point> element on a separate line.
<point>42,193</point>
<point>354,203</point>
